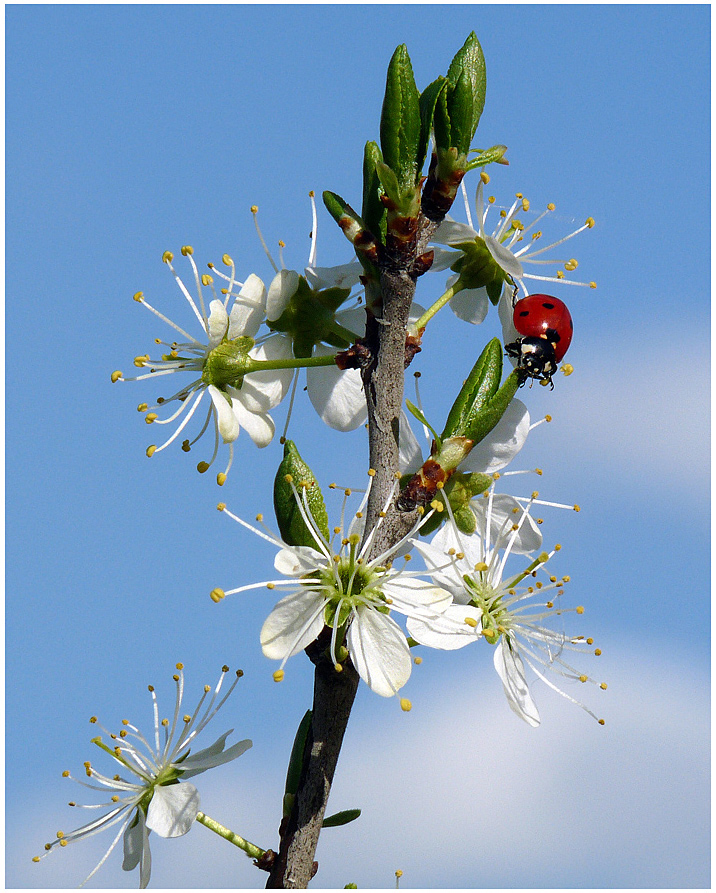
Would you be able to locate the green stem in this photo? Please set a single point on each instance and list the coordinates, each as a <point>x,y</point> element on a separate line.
<point>300,363</point>
<point>249,848</point>
<point>438,305</point>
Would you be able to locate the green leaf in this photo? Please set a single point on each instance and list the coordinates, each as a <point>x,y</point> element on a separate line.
<point>479,387</point>
<point>400,119</point>
<point>295,763</point>
<point>421,418</point>
<point>341,818</point>
<point>373,207</point>
<point>469,101</point>
<point>428,100</point>
<point>485,420</point>
<point>293,527</point>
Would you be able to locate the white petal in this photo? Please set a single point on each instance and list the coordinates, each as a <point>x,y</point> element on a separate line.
<point>379,651</point>
<point>502,443</point>
<point>293,624</point>
<point>506,511</point>
<point>258,425</point>
<point>470,304</point>
<point>447,631</point>
<point>504,257</point>
<point>298,560</point>
<point>270,387</point>
<point>442,258</point>
<point>447,577</point>
<point>283,287</point>
<point>173,809</point>
<point>226,418</point>
<point>218,322</point>
<point>411,595</point>
<point>410,456</point>
<point>337,396</point>
<point>135,842</point>
<point>451,232</point>
<point>511,671</point>
<point>505,312</point>
<point>213,756</point>
<point>352,319</point>
<point>340,276</point>
<point>249,307</point>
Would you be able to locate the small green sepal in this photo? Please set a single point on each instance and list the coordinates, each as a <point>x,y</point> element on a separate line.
<point>310,318</point>
<point>294,529</point>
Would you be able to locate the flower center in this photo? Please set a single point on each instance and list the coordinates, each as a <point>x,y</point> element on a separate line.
<point>351,584</point>
<point>228,362</point>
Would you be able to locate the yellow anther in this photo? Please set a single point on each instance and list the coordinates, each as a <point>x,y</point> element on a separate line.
<point>259,517</point>
<point>226,259</point>
<point>338,668</point>
<point>543,557</point>
<point>519,195</point>
<point>167,257</point>
<point>571,265</point>
<point>405,705</point>
<point>35,858</point>
<point>140,361</point>
<point>348,491</point>
<point>206,279</point>
<point>63,843</point>
<point>138,297</point>
<point>66,773</point>
<point>576,508</point>
<point>603,686</point>
<point>537,235</point>
<point>480,566</point>
<point>359,514</point>
<point>398,872</point>
<point>278,675</point>
<point>254,209</point>
<point>440,485</point>
<point>592,284</point>
<point>583,678</point>
<point>484,177</point>
<point>281,243</point>
<point>503,213</point>
<point>538,471</point>
<point>525,204</point>
<point>597,651</point>
<point>579,609</point>
<point>567,368</point>
<point>224,291</point>
<point>217,594</point>
<point>496,476</point>
<point>186,446</point>
<point>560,274</point>
<point>515,527</point>
<point>382,514</point>
<point>549,605</point>
<point>590,221</point>
<point>590,641</point>
<point>270,585</point>
<point>557,547</point>
<point>288,478</point>
<point>417,661</point>
<point>150,417</point>
<point>551,206</point>
<point>187,718</point>
<point>202,467</point>
<point>491,200</point>
<point>470,621</point>
<point>186,249</point>
<point>371,472</point>
<point>460,556</point>
<point>601,722</point>
<point>332,486</point>
<point>397,474</point>
<point>116,375</point>
<point>165,723</point>
<point>221,478</point>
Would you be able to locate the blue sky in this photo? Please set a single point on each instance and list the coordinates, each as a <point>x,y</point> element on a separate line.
<point>136,129</point>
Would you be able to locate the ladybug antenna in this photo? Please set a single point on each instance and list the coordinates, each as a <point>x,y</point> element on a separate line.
<point>515,292</point>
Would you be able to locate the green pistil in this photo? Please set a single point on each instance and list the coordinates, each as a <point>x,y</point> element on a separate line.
<point>228,362</point>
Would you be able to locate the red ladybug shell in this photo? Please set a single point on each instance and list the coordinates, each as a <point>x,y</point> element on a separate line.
<point>535,315</point>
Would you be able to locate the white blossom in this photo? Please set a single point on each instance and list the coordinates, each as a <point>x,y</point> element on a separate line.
<point>333,584</point>
<point>515,247</point>
<point>160,799</point>
<point>236,401</point>
<point>505,608</point>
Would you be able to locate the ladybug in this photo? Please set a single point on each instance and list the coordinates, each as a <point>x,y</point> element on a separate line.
<point>546,327</point>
